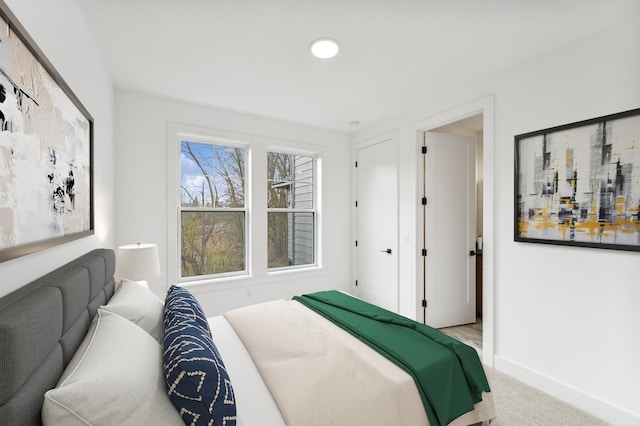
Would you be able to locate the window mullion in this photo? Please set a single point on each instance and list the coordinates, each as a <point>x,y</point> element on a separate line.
<point>258,242</point>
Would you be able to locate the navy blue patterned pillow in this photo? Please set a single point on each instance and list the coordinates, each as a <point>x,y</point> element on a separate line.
<point>181,301</point>
<point>197,380</point>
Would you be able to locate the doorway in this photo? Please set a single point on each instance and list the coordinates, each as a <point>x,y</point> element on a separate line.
<point>484,106</point>
<point>463,304</point>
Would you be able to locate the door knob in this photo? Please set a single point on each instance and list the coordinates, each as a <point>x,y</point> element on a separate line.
<point>388,251</point>
<point>472,253</point>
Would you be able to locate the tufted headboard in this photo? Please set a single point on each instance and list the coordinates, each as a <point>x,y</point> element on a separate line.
<point>41,326</point>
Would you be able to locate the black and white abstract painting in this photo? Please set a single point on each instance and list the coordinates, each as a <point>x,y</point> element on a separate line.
<point>45,151</point>
<point>579,184</point>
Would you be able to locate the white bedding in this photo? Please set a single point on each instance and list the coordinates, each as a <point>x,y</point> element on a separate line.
<point>305,358</point>
<point>254,403</point>
<point>318,374</point>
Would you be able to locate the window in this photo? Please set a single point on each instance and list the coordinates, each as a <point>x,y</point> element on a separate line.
<point>290,210</point>
<point>212,209</point>
<point>241,207</point>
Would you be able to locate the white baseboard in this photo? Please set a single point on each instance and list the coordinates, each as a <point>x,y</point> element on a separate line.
<point>584,401</point>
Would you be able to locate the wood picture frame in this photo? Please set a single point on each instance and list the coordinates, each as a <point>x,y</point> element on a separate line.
<point>579,184</point>
<point>46,150</point>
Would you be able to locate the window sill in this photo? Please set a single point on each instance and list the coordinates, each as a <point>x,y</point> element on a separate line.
<point>242,281</point>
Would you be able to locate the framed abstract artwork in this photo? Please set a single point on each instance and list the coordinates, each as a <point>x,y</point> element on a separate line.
<point>579,184</point>
<point>46,142</point>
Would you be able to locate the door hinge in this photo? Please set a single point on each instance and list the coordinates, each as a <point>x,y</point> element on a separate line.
<point>424,201</point>
<point>424,252</point>
<point>424,149</point>
<point>424,303</point>
<point>356,283</point>
<point>356,204</point>
<point>356,243</point>
<point>356,164</point>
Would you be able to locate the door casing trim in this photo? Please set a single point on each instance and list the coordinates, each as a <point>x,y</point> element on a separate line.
<point>484,106</point>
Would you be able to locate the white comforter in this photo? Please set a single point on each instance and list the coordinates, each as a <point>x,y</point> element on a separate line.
<point>318,374</point>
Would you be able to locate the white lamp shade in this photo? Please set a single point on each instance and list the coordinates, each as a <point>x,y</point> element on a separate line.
<point>137,261</point>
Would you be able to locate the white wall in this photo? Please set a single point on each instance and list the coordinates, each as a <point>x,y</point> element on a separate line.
<point>141,194</point>
<point>60,31</point>
<point>566,319</point>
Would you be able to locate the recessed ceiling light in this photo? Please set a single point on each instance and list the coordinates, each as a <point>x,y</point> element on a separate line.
<point>324,48</point>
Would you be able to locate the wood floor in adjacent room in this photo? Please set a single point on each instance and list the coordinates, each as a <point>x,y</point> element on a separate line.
<point>471,334</point>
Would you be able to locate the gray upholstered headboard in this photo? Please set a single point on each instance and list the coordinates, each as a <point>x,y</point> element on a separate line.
<point>41,326</point>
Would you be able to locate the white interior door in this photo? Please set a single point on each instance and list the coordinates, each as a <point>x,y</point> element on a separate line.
<point>377,223</point>
<point>450,228</point>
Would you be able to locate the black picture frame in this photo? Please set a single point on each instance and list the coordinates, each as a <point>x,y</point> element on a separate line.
<point>46,147</point>
<point>579,184</point>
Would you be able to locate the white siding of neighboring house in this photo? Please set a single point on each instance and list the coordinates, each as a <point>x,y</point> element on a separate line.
<point>301,225</point>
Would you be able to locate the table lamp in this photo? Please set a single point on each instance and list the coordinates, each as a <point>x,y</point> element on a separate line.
<point>138,262</point>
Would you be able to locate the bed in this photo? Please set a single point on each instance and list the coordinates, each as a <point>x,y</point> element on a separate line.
<point>74,350</point>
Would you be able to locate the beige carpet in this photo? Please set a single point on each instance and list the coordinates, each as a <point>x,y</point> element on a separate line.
<point>522,405</point>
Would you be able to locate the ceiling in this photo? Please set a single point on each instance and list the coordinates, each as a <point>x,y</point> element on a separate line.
<point>252,56</point>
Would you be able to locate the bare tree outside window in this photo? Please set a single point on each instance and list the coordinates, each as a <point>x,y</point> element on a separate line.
<point>212,180</point>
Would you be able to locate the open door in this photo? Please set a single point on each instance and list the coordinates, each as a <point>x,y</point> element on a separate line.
<point>450,230</point>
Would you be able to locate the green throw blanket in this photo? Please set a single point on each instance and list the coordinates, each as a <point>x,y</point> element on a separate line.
<point>448,373</point>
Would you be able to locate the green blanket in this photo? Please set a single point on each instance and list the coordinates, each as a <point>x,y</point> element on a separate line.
<point>448,373</point>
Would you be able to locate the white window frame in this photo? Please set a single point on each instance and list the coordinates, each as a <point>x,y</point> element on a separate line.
<point>315,210</point>
<point>256,240</point>
<point>215,141</point>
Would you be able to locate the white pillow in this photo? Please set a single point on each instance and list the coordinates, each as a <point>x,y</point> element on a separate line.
<point>139,305</point>
<point>115,378</point>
